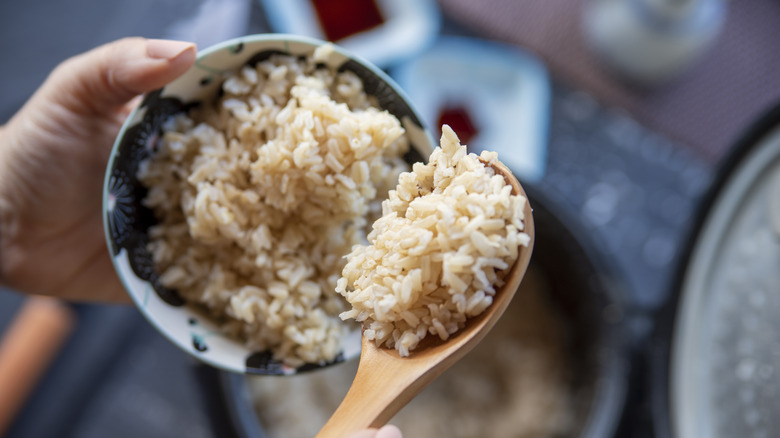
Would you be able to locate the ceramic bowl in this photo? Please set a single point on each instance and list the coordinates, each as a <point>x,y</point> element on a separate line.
<point>127,221</point>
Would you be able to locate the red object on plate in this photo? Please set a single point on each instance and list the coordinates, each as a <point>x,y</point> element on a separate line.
<point>342,18</point>
<point>459,120</point>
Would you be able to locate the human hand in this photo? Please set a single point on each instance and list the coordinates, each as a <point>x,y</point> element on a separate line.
<point>53,156</point>
<point>388,431</point>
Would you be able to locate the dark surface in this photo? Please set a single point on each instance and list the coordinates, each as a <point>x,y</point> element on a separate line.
<point>629,186</point>
<point>118,377</point>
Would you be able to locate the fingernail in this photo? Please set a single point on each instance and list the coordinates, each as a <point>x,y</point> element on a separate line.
<point>166,49</point>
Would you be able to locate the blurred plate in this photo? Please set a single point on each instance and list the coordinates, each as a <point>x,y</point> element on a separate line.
<point>497,94</point>
<point>406,28</point>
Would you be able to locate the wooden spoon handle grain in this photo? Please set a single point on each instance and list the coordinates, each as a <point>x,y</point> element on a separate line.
<point>384,384</point>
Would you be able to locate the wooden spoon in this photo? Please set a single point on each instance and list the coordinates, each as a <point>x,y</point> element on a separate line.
<point>385,382</point>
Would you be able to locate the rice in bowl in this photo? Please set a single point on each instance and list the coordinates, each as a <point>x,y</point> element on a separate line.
<point>259,196</point>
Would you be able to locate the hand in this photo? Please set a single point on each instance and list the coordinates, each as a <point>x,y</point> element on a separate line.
<point>53,156</point>
<point>388,431</point>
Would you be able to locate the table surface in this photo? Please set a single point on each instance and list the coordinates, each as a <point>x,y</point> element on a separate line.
<point>634,189</point>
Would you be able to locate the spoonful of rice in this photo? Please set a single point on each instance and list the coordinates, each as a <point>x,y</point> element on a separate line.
<point>442,264</point>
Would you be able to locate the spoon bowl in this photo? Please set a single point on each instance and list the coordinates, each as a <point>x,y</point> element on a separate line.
<point>385,382</point>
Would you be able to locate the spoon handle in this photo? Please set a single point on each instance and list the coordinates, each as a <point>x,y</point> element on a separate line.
<point>382,386</point>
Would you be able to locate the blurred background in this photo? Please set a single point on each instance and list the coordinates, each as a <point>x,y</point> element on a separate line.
<point>619,115</point>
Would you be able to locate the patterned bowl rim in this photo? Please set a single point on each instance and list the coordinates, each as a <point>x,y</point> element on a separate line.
<point>423,137</point>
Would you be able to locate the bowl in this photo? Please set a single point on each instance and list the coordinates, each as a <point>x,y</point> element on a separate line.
<point>578,308</point>
<point>127,220</point>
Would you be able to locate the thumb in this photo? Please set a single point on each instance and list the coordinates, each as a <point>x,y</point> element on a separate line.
<point>388,431</point>
<point>109,76</point>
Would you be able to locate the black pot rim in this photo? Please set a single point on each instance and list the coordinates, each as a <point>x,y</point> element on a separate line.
<point>610,387</point>
<point>660,349</point>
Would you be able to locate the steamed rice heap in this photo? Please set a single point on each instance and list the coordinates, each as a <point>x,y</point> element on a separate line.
<point>260,196</point>
<point>447,235</point>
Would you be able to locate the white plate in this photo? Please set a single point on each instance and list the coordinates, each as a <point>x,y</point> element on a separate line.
<point>409,27</point>
<point>505,90</point>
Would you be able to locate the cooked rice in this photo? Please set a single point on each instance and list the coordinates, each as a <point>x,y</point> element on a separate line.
<point>261,195</point>
<point>448,234</point>
<point>523,380</point>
